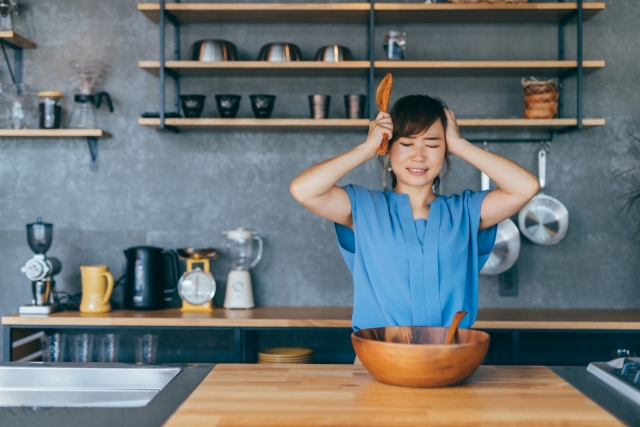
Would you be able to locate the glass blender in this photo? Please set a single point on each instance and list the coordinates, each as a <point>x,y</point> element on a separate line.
<point>41,269</point>
<point>84,83</point>
<point>241,250</point>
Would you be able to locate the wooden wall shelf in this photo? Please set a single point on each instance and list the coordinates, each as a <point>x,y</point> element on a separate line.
<point>17,40</point>
<point>360,68</point>
<point>53,133</point>
<point>360,124</point>
<point>358,12</point>
<point>260,124</point>
<point>261,68</point>
<point>482,68</point>
<point>481,12</point>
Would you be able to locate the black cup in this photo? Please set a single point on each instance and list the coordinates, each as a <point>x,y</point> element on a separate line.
<point>262,105</point>
<point>192,105</point>
<point>228,105</point>
<point>355,106</point>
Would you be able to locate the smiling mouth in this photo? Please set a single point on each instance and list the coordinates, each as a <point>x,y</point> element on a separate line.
<point>417,171</point>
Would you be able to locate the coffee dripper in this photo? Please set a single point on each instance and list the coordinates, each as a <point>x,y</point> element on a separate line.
<point>88,76</point>
<point>40,270</point>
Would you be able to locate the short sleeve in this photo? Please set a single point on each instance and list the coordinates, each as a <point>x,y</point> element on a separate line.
<point>487,237</point>
<point>345,235</point>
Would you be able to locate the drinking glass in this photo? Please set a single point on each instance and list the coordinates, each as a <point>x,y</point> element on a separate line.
<point>108,348</point>
<point>82,348</point>
<point>53,347</point>
<point>146,349</point>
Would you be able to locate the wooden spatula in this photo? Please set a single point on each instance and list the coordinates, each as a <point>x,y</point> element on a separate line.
<point>454,326</point>
<point>383,95</point>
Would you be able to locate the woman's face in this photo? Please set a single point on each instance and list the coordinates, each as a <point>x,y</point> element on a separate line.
<point>418,159</point>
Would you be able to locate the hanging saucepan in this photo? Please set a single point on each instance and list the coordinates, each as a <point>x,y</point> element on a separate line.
<point>544,220</point>
<point>507,246</point>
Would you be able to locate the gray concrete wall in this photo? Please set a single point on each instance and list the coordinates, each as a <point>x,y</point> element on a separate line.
<point>183,190</point>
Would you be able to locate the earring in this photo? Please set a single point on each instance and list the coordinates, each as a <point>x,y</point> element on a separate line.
<point>389,169</point>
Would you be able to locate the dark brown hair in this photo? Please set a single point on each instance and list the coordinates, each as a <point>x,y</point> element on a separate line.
<point>412,115</point>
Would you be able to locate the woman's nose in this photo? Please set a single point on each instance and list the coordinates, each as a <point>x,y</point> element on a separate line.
<point>418,154</point>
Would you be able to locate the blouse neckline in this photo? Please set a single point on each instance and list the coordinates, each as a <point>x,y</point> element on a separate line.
<point>403,196</point>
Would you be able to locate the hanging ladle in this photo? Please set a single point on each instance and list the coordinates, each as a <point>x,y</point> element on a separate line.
<point>453,329</point>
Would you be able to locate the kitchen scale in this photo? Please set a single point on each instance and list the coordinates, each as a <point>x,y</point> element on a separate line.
<point>197,285</point>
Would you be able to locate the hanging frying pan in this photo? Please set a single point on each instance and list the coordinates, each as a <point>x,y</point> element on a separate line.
<point>507,246</point>
<point>544,220</point>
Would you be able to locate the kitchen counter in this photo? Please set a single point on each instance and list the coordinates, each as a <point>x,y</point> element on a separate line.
<point>332,317</point>
<point>346,395</point>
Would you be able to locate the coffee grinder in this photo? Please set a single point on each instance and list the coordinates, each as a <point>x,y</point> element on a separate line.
<point>40,270</point>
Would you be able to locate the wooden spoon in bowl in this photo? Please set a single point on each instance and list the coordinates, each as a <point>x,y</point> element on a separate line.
<point>454,326</point>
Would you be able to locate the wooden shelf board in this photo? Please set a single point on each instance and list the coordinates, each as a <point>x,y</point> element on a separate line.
<point>260,12</point>
<point>53,133</point>
<point>358,12</point>
<point>526,124</point>
<point>260,68</point>
<point>360,124</point>
<point>481,68</point>
<point>360,68</point>
<point>260,124</point>
<point>481,12</point>
<point>17,40</point>
<point>333,317</point>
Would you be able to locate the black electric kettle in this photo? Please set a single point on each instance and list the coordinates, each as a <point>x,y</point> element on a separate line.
<point>151,273</point>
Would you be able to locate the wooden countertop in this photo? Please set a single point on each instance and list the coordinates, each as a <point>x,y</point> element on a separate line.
<point>346,395</point>
<point>332,317</point>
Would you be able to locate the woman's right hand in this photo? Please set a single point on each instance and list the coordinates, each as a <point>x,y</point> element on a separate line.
<point>379,127</point>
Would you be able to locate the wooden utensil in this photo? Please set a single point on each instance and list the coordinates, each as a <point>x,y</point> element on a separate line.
<point>383,95</point>
<point>454,326</point>
<point>414,356</point>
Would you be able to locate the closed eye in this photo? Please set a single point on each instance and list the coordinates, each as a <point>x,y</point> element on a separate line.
<point>405,144</point>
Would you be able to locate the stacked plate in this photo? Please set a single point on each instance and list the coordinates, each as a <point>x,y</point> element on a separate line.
<point>285,355</point>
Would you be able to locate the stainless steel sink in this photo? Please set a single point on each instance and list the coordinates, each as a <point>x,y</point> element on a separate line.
<point>82,385</point>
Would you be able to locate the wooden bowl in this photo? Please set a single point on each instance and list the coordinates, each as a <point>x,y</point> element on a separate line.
<point>415,356</point>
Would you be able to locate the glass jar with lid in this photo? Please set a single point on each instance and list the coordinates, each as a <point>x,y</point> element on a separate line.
<point>50,110</point>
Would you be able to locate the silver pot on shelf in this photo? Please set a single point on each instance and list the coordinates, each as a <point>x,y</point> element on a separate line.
<point>279,52</point>
<point>213,51</point>
<point>333,53</point>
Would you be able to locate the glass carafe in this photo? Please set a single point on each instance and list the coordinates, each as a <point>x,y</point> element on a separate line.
<point>84,110</point>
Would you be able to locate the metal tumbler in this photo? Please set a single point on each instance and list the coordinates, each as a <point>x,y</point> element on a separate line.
<point>319,106</point>
<point>355,106</point>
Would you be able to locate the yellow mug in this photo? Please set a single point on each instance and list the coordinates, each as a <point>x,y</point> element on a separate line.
<point>97,285</point>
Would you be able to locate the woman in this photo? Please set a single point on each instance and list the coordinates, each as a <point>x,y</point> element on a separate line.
<point>414,256</point>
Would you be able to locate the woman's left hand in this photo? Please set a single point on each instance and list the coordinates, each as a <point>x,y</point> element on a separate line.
<point>455,143</point>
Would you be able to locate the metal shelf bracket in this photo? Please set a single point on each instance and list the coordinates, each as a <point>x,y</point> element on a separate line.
<point>93,152</point>
<point>163,71</point>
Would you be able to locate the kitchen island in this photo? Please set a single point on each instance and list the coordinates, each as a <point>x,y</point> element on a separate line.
<point>346,395</point>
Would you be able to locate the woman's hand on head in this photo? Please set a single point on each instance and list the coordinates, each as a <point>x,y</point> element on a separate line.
<point>454,141</point>
<point>379,127</point>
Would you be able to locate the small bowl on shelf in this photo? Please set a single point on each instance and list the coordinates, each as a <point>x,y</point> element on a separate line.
<point>416,356</point>
<point>192,105</point>
<point>228,105</point>
<point>262,105</point>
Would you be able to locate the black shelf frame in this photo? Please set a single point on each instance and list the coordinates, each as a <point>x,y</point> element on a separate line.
<point>576,15</point>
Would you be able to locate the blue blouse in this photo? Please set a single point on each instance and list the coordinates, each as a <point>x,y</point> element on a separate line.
<point>410,272</point>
